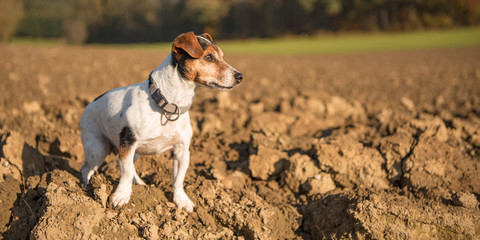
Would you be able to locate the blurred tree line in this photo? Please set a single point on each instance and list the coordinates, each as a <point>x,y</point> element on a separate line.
<point>80,21</point>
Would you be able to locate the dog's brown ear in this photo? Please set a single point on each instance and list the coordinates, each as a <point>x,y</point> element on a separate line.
<point>188,43</point>
<point>207,36</point>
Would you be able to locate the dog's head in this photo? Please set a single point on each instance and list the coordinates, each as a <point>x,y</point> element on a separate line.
<point>200,60</point>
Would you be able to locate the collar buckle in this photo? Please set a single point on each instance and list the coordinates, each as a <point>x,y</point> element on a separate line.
<point>174,112</point>
<point>159,99</point>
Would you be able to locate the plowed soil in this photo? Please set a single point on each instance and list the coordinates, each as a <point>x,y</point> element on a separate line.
<point>379,145</point>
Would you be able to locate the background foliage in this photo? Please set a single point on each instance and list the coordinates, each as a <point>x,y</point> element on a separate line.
<point>117,21</point>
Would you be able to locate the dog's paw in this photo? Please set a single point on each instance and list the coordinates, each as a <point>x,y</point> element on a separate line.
<point>183,202</point>
<point>120,197</point>
<point>86,175</point>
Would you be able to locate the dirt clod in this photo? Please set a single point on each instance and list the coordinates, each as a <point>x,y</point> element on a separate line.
<point>320,184</point>
<point>267,162</point>
<point>464,199</point>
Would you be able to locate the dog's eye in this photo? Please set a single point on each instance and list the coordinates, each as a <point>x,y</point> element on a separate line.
<point>209,58</point>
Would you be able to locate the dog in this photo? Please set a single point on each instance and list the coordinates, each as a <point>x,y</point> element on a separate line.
<point>152,116</point>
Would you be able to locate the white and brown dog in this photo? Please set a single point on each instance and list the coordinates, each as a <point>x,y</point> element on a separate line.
<point>152,116</point>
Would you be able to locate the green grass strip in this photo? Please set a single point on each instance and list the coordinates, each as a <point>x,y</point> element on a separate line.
<point>454,38</point>
<point>323,44</point>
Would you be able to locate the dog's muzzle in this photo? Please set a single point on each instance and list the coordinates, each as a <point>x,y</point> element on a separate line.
<point>238,77</point>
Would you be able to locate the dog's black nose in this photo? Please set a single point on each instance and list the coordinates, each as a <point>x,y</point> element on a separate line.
<point>238,77</point>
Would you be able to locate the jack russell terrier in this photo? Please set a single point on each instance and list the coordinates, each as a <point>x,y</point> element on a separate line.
<point>152,116</point>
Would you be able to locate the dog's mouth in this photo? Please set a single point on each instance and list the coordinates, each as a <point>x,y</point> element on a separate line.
<point>218,86</point>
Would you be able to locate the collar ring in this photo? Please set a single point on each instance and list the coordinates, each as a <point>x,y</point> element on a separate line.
<point>175,114</point>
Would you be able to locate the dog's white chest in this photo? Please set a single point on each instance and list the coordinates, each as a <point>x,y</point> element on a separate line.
<point>155,145</point>
<point>159,139</point>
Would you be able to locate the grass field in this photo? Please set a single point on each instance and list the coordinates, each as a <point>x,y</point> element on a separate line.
<point>358,43</point>
<point>324,44</point>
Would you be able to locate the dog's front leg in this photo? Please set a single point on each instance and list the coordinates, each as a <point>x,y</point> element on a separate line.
<point>121,196</point>
<point>181,159</point>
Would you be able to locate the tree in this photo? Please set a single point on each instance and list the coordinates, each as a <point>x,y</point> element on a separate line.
<point>81,14</point>
<point>208,13</point>
<point>11,12</point>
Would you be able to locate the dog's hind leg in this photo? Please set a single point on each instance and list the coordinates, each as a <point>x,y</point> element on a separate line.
<point>136,178</point>
<point>95,148</point>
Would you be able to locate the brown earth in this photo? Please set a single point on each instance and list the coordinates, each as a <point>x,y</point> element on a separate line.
<point>383,145</point>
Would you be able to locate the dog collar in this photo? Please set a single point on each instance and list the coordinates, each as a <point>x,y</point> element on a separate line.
<point>172,110</point>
